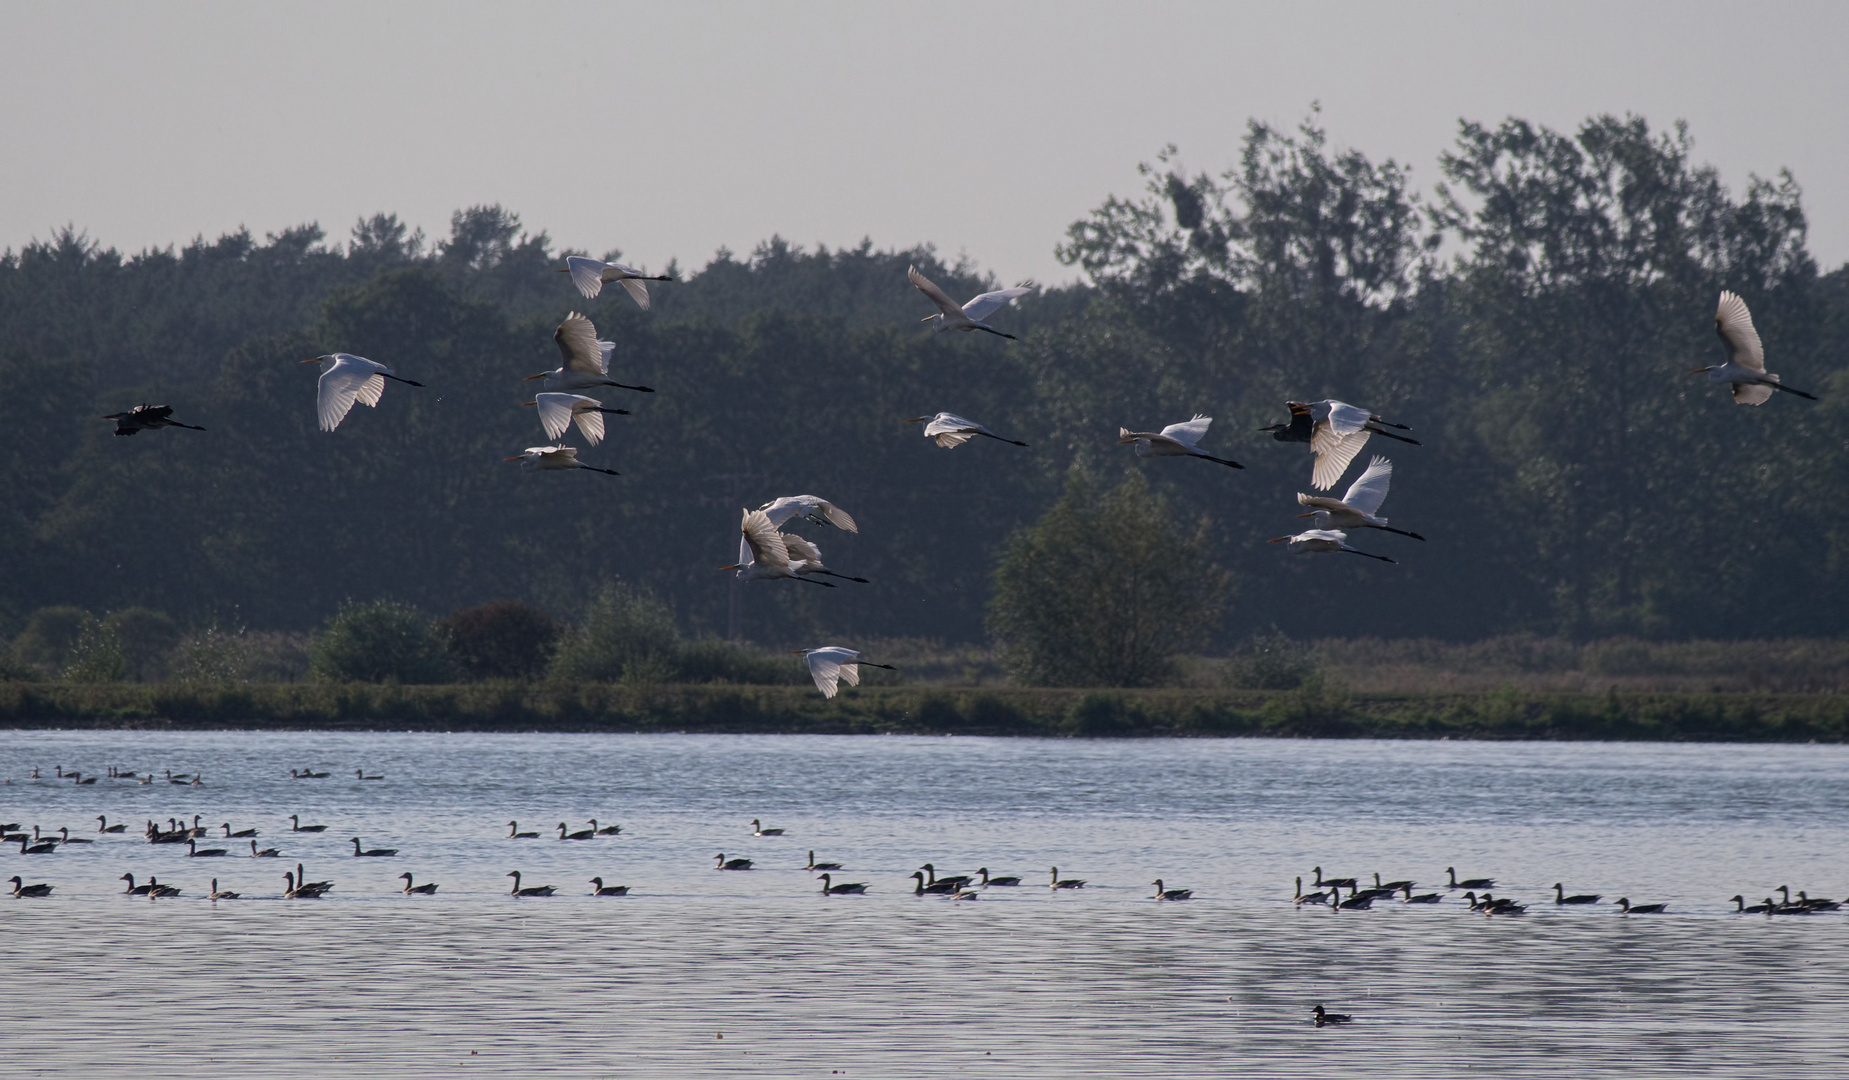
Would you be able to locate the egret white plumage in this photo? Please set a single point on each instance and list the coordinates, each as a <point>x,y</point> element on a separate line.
<point>1175,440</point>
<point>806,558</point>
<point>968,316</point>
<point>347,379</point>
<point>1360,506</point>
<point>952,431</point>
<point>1322,542</point>
<point>547,458</point>
<point>590,276</point>
<point>557,411</point>
<point>1745,369</point>
<point>810,508</point>
<point>1336,432</point>
<point>762,554</point>
<point>587,360</point>
<point>832,663</point>
<point>147,418</point>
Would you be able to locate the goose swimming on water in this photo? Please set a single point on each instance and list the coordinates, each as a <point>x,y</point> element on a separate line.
<point>133,889</point>
<point>241,834</point>
<point>372,853</point>
<point>1741,907</point>
<point>295,825</point>
<point>158,891</point>
<point>531,890</point>
<point>606,830</point>
<point>266,853</point>
<point>217,894</point>
<point>427,889</point>
<point>955,880</point>
<point>999,881</point>
<point>193,850</point>
<point>813,865</point>
<point>724,863</point>
<point>514,833</point>
<point>65,837</point>
<point>941,888</point>
<point>758,829</point>
<point>843,889</point>
<point>103,826</point>
<point>25,891</point>
<point>1325,1019</point>
<point>292,891</point>
<point>362,774</point>
<point>1338,883</point>
<point>1422,898</point>
<point>581,834</point>
<point>1066,883</point>
<point>1300,897</point>
<point>1171,894</point>
<point>1560,896</point>
<point>1471,883</point>
<point>598,888</point>
<point>1628,908</point>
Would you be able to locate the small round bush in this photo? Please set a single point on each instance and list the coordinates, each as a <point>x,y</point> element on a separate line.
<point>381,641</point>
<point>505,639</point>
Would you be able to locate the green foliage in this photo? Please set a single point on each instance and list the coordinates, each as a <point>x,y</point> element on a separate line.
<point>622,629</point>
<point>97,656</point>
<point>212,656</point>
<point>1105,590</point>
<point>381,641</point>
<point>505,639</point>
<point>1272,661</point>
<point>51,637</point>
<point>145,638</point>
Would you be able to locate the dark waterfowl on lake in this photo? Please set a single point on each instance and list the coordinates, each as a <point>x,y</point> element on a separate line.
<point>1560,896</point>
<point>829,888</point>
<point>372,853</point>
<point>598,888</point>
<point>427,889</point>
<point>1322,1018</point>
<point>1628,908</point>
<point>531,890</point>
<point>730,864</point>
<point>813,865</point>
<point>1470,883</point>
<point>1171,894</point>
<point>1066,883</point>
<point>1005,881</point>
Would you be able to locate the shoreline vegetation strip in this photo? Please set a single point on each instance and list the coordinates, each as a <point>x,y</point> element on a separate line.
<point>1504,714</point>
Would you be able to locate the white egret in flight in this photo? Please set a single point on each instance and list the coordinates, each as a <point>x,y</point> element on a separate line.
<point>810,508</point>
<point>1358,508</point>
<point>347,379</point>
<point>806,558</point>
<point>555,457</point>
<point>762,555</point>
<point>832,663</point>
<point>952,431</point>
<point>557,411</point>
<point>590,276</point>
<point>968,317</point>
<point>1336,432</point>
<point>147,418</point>
<point>1745,368</point>
<point>1175,440</point>
<point>1321,542</point>
<point>587,360</point>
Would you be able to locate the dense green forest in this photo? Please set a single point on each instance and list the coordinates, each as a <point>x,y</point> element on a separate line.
<point>1533,317</point>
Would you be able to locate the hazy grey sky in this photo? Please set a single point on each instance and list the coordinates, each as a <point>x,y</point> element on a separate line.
<point>669,129</point>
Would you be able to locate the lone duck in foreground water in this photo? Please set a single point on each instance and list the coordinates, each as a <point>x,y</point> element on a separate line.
<point>1324,1019</point>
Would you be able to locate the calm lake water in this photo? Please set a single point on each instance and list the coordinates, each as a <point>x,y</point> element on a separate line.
<point>703,973</point>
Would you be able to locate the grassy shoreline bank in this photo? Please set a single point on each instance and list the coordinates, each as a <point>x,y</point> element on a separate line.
<point>1506,714</point>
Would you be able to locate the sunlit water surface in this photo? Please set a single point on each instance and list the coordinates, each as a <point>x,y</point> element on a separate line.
<point>704,973</point>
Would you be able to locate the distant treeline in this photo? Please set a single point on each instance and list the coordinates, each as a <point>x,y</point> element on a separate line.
<point>1534,322</point>
<point>1304,713</point>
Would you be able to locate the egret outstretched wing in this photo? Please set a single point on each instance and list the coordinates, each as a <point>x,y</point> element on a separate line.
<point>1344,419</point>
<point>925,285</point>
<point>951,430</point>
<point>638,291</point>
<point>348,379</point>
<point>1333,453</point>
<point>1734,324</point>
<point>828,666</point>
<point>557,411</point>
<point>1751,393</point>
<point>783,509</point>
<point>1370,488</point>
<point>586,274</point>
<point>990,302</point>
<point>765,542</point>
<point>576,338</point>
<point>800,548</point>
<point>1189,433</point>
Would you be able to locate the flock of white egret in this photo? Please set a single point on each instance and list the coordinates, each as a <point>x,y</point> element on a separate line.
<point>1335,431</point>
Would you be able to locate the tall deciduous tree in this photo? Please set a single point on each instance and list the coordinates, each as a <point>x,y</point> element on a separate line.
<point>1107,589</point>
